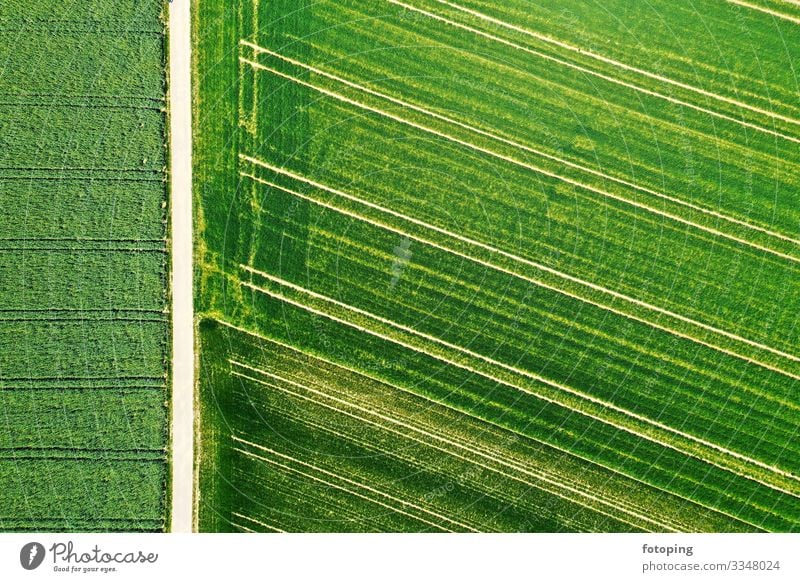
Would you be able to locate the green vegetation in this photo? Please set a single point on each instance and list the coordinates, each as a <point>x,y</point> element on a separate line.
<point>83,267</point>
<point>558,244</point>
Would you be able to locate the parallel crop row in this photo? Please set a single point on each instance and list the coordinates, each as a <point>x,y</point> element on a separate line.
<point>83,267</point>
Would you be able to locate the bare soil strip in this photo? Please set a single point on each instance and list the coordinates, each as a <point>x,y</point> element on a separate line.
<point>180,105</point>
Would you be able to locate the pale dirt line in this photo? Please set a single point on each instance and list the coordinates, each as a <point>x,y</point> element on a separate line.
<point>601,75</point>
<point>493,424</point>
<point>475,450</point>
<point>512,369</point>
<point>180,104</point>
<point>261,523</point>
<point>509,272</point>
<point>619,504</point>
<point>522,164</point>
<point>424,429</point>
<point>340,488</point>
<point>333,475</point>
<point>313,425</point>
<point>763,9</point>
<point>530,392</point>
<point>618,64</point>
<point>535,151</point>
<point>526,165</point>
<point>489,453</point>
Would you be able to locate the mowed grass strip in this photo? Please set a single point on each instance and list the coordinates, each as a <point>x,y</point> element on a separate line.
<point>69,349</point>
<point>59,525</point>
<point>118,383</point>
<point>96,138</point>
<point>73,63</point>
<point>123,280</point>
<point>132,13</point>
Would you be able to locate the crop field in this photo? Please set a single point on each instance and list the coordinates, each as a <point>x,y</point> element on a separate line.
<point>498,266</point>
<point>83,266</point>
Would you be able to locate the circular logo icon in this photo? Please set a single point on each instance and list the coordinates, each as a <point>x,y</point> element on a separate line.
<point>31,555</point>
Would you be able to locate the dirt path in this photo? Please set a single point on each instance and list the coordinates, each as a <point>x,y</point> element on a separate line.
<point>182,308</point>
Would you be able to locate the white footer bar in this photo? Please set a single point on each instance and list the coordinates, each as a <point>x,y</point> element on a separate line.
<point>371,558</point>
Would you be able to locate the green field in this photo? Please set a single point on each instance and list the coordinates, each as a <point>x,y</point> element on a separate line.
<point>498,266</point>
<point>83,266</point>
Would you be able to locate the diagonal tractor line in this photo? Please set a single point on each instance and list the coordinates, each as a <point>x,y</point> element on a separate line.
<point>766,10</point>
<point>548,156</point>
<point>526,262</point>
<point>522,164</point>
<point>530,470</point>
<point>405,428</point>
<point>261,523</point>
<point>608,78</point>
<point>523,277</point>
<point>554,385</point>
<point>402,502</point>
<point>620,64</point>
<point>527,437</point>
<point>329,485</point>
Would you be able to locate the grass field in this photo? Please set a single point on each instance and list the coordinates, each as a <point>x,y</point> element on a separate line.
<point>487,266</point>
<point>83,266</point>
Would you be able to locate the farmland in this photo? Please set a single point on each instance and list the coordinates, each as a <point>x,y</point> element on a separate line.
<point>83,266</point>
<point>475,266</point>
